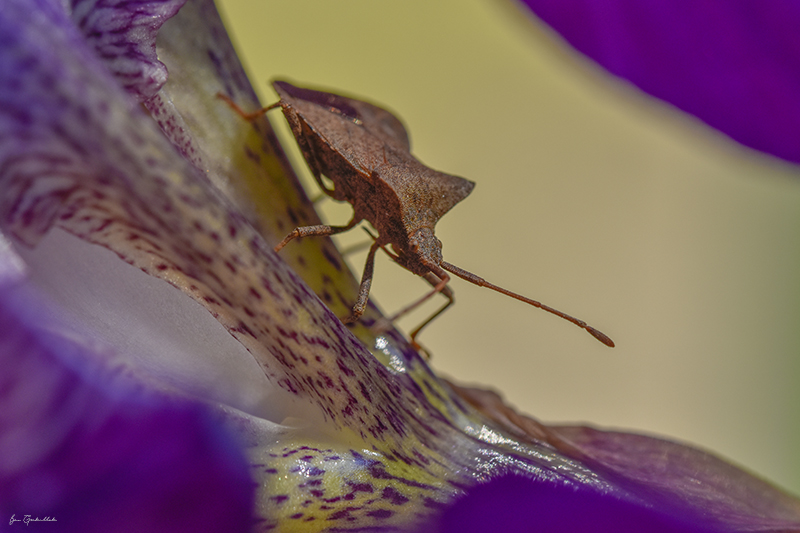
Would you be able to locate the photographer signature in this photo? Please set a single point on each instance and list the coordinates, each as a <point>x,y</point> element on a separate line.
<point>26,519</point>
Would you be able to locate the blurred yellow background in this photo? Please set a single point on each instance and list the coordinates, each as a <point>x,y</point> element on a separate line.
<point>591,197</point>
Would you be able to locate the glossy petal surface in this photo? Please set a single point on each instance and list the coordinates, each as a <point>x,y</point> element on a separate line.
<point>683,485</point>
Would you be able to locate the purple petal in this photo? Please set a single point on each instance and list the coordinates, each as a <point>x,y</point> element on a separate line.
<point>513,503</point>
<point>733,64</point>
<point>82,444</point>
<point>123,35</point>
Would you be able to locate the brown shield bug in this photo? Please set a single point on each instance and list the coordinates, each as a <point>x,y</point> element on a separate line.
<point>365,152</point>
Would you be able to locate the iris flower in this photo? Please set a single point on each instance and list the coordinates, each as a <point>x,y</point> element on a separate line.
<point>163,369</point>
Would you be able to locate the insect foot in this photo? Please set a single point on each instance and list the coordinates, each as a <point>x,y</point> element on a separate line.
<point>365,152</point>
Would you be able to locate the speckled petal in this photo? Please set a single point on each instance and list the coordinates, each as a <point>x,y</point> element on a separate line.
<point>243,159</point>
<point>123,35</point>
<point>734,64</point>
<point>85,445</point>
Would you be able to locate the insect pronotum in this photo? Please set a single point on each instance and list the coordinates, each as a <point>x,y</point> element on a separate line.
<point>365,152</point>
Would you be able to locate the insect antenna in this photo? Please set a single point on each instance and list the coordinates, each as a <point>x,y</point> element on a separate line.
<point>477,280</point>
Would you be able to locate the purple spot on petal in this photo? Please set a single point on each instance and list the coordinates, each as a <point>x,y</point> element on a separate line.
<point>279,499</point>
<point>314,471</point>
<point>394,496</point>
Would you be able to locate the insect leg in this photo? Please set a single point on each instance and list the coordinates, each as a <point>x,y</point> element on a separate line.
<point>244,114</point>
<point>366,283</point>
<point>439,282</point>
<point>447,292</point>
<point>313,231</point>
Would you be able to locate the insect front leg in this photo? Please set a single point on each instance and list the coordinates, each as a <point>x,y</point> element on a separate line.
<point>313,231</point>
<point>366,283</point>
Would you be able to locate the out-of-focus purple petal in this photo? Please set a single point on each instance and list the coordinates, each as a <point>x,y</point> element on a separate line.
<point>735,64</point>
<point>521,505</point>
<point>123,35</point>
<point>84,445</point>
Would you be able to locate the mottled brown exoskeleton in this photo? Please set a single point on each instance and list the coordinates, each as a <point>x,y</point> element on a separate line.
<point>364,150</point>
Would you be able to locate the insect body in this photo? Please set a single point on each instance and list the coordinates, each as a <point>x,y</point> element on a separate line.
<point>364,150</point>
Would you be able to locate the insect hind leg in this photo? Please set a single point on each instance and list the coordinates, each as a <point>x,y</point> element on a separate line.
<point>447,292</point>
<point>439,282</point>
